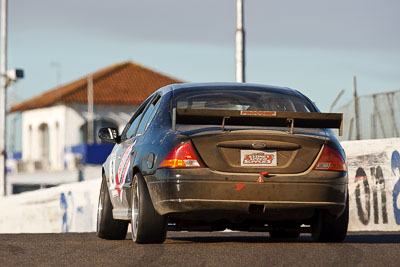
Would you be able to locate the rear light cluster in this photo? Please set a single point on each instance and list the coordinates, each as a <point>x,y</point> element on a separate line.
<point>183,156</point>
<point>330,160</point>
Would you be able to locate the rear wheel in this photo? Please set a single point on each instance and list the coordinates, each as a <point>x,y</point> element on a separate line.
<point>107,226</point>
<point>147,225</point>
<point>325,228</point>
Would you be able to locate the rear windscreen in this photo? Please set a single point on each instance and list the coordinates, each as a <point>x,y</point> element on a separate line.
<point>257,100</point>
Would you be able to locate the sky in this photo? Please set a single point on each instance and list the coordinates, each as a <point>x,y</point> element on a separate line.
<point>315,46</point>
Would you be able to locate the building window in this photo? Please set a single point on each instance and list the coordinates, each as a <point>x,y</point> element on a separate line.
<point>44,142</point>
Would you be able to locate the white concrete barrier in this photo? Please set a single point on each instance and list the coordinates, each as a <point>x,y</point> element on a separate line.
<point>374,187</point>
<point>65,208</point>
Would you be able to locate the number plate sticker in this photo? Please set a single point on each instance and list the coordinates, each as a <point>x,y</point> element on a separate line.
<point>256,158</point>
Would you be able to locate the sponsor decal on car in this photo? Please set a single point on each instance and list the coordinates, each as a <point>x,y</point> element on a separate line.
<point>113,157</point>
<point>123,169</point>
<point>239,186</point>
<point>257,113</point>
<point>258,158</point>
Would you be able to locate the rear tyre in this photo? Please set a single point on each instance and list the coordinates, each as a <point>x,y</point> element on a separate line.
<point>147,225</point>
<point>107,226</point>
<point>325,228</point>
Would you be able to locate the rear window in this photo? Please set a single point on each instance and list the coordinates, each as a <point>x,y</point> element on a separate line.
<point>257,100</point>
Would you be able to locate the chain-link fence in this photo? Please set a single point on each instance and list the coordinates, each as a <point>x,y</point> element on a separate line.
<point>379,116</point>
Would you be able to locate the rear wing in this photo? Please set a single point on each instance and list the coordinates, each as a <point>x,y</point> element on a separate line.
<point>258,118</point>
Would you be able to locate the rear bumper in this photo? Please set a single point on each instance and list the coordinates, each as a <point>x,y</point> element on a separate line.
<point>199,190</point>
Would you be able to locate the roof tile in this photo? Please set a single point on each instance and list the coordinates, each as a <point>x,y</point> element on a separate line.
<point>124,83</point>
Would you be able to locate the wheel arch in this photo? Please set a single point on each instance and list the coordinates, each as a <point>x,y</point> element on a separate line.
<point>136,169</point>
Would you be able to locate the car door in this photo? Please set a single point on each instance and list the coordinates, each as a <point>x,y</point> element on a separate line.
<point>135,143</point>
<point>124,151</point>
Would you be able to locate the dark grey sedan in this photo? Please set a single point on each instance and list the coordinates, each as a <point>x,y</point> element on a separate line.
<point>215,156</point>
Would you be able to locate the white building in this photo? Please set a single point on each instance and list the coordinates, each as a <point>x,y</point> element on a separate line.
<point>56,123</point>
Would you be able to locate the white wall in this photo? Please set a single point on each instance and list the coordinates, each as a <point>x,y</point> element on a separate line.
<point>374,184</point>
<point>31,147</point>
<point>65,208</point>
<point>64,123</point>
<point>73,121</point>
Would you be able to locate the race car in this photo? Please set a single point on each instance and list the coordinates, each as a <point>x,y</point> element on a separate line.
<point>216,156</point>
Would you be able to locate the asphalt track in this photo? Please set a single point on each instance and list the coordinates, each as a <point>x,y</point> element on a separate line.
<point>199,249</point>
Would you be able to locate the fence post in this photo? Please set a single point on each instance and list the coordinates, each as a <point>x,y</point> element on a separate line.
<point>356,109</point>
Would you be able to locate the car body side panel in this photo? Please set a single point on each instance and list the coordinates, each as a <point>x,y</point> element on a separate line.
<point>134,154</point>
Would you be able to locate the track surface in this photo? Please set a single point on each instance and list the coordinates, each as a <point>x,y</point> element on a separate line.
<point>198,249</point>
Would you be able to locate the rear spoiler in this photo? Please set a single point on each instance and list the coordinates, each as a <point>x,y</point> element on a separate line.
<point>258,118</point>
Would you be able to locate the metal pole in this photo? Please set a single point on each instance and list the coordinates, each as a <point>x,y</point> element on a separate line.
<point>350,129</point>
<point>240,42</point>
<point>356,109</point>
<point>336,100</point>
<point>3,103</point>
<point>373,126</point>
<point>12,119</point>
<point>378,113</point>
<point>90,125</point>
<point>390,99</point>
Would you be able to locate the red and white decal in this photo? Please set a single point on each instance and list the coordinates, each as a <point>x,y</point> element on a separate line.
<point>239,186</point>
<point>258,158</point>
<point>123,169</point>
<point>113,157</point>
<point>257,113</point>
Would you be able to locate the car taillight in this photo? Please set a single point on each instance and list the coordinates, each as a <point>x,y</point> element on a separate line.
<point>182,156</point>
<point>330,160</point>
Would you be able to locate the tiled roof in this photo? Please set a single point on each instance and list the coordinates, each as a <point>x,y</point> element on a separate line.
<point>125,83</point>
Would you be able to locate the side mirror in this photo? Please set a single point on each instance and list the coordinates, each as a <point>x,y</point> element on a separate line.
<point>108,135</point>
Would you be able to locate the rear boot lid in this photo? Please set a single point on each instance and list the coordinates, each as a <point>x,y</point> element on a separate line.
<point>252,151</point>
<point>260,141</point>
